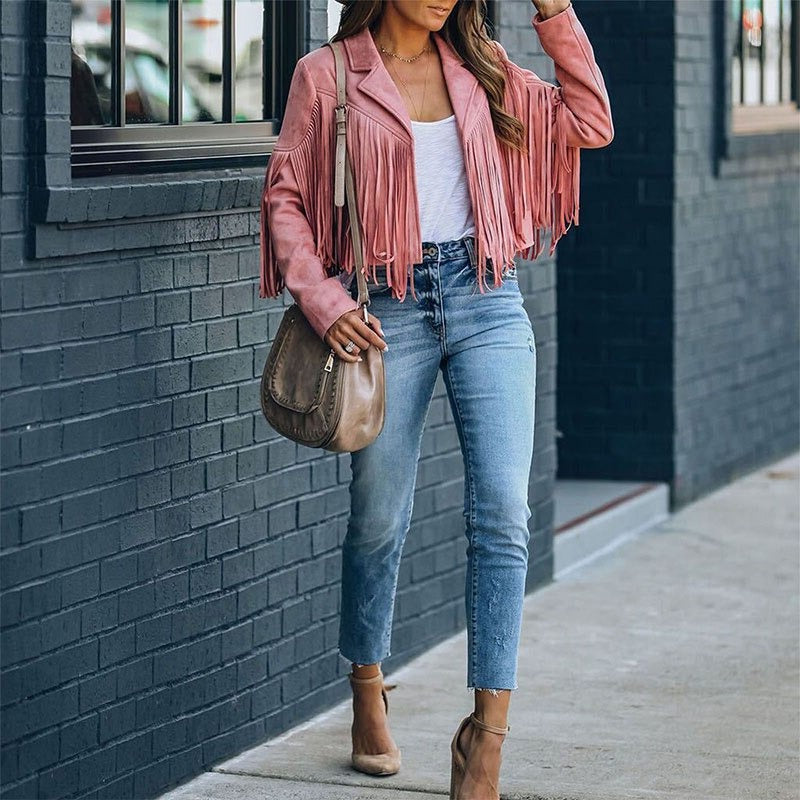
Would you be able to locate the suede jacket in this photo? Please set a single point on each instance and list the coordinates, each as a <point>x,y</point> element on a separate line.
<point>305,240</point>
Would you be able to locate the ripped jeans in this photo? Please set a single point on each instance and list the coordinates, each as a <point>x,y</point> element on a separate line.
<point>484,345</point>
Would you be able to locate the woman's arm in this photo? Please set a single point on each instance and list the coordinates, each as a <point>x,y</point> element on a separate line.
<point>581,108</point>
<point>290,213</point>
<point>587,116</point>
<point>544,179</point>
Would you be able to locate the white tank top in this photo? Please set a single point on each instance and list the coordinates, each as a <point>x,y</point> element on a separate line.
<point>445,208</point>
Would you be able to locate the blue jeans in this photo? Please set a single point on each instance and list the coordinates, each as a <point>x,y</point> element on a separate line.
<point>484,344</point>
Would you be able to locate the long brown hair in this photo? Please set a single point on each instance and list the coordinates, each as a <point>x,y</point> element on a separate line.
<point>466,32</point>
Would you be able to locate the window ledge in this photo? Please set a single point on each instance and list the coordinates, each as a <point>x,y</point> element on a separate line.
<point>763,144</point>
<point>765,119</point>
<point>762,140</point>
<point>129,212</point>
<point>112,198</point>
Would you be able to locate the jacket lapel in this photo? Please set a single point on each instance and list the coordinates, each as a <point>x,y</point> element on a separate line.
<point>378,85</point>
<point>463,87</point>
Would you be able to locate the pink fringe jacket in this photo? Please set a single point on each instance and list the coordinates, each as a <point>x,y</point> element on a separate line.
<point>515,196</point>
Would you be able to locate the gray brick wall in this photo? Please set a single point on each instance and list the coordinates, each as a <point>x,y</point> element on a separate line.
<point>678,292</point>
<point>170,567</point>
<point>317,23</point>
<point>737,377</point>
<point>615,321</point>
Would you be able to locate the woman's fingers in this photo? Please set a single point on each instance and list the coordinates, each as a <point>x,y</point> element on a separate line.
<point>374,321</point>
<point>350,327</point>
<point>351,330</point>
<point>372,336</point>
<point>343,354</point>
<point>336,339</point>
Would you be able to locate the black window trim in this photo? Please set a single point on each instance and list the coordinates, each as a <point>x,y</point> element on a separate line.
<point>153,148</point>
<point>732,147</point>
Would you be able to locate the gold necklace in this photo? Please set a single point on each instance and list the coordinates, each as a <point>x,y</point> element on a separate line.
<point>403,58</point>
<point>424,90</point>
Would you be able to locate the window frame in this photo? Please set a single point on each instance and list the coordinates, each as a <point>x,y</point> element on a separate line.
<point>764,118</point>
<point>746,135</point>
<point>120,149</point>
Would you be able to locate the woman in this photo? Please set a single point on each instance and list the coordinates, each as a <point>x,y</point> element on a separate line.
<point>461,160</point>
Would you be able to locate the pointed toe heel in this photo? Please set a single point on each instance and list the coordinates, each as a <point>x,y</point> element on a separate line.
<point>376,763</point>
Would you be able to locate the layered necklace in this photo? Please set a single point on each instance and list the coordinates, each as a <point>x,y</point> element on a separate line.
<point>424,50</point>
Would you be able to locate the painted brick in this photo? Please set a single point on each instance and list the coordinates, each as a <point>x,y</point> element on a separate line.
<point>170,565</point>
<point>680,282</point>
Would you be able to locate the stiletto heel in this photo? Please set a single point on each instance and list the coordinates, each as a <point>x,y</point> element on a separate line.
<point>458,762</point>
<point>376,763</point>
<point>458,759</point>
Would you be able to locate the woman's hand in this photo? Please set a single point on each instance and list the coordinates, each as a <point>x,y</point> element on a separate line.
<point>351,327</point>
<point>549,8</point>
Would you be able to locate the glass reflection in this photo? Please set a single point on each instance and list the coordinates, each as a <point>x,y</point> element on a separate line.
<point>753,24</point>
<point>90,87</point>
<point>147,63</point>
<point>771,43</point>
<point>202,54</point>
<point>249,75</point>
<point>786,50</point>
<point>736,62</point>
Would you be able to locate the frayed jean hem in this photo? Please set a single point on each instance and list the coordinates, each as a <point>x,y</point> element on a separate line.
<point>495,692</point>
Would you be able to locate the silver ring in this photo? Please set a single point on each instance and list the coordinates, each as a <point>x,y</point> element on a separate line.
<point>350,346</point>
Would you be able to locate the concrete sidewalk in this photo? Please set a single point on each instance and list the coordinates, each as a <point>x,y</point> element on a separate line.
<point>668,668</point>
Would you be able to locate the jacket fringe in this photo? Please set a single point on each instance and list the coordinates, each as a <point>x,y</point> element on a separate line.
<point>494,228</point>
<point>311,165</point>
<point>271,282</point>
<point>385,190</point>
<point>542,184</point>
<point>388,203</point>
<point>515,195</point>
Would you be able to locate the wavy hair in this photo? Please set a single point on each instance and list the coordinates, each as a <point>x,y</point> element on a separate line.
<point>466,31</point>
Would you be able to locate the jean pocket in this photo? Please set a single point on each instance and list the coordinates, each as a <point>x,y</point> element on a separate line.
<point>508,280</point>
<point>509,275</point>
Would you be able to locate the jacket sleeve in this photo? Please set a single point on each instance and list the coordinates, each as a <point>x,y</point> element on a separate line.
<point>586,117</point>
<point>290,252</point>
<point>559,121</point>
<point>581,106</point>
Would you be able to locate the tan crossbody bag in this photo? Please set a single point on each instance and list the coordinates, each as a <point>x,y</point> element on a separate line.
<point>308,394</point>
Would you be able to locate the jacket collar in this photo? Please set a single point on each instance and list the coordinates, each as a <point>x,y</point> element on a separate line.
<point>377,83</point>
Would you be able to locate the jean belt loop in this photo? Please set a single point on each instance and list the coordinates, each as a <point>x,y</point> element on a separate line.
<point>469,242</point>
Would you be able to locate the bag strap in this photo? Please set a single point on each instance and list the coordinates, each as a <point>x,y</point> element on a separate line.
<point>344,183</point>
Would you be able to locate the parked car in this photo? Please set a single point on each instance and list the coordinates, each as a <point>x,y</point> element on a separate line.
<point>146,75</point>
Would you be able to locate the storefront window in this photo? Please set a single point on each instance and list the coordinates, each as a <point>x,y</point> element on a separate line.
<point>165,80</point>
<point>764,65</point>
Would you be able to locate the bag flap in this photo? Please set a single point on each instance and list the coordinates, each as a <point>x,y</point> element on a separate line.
<point>298,377</point>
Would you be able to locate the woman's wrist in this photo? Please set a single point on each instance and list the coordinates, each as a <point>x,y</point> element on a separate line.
<point>550,8</point>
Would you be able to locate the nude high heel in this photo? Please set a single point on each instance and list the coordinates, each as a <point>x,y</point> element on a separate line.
<point>376,763</point>
<point>458,761</point>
